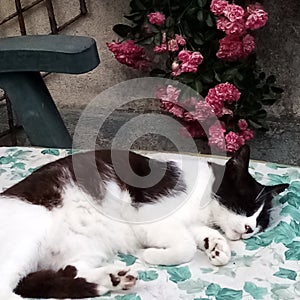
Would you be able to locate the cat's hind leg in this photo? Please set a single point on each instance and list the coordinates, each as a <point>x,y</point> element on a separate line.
<point>108,278</point>
<point>213,243</point>
<point>23,229</point>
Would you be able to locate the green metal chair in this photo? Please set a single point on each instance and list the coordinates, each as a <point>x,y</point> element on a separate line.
<point>22,59</point>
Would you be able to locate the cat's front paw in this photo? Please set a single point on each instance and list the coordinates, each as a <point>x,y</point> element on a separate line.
<point>217,250</point>
<point>123,279</point>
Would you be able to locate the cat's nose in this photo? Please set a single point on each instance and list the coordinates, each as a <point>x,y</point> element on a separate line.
<point>248,229</point>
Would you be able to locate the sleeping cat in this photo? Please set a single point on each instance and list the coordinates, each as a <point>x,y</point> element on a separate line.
<point>59,226</point>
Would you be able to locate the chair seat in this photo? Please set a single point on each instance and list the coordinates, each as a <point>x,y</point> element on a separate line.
<point>48,53</point>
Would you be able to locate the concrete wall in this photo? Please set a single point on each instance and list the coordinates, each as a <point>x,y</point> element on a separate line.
<point>277,47</point>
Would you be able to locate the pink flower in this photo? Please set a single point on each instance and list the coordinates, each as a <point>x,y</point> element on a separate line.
<point>203,111</point>
<point>247,134</point>
<point>237,27</point>
<point>156,18</point>
<point>190,62</point>
<point>223,92</point>
<point>189,68</point>
<point>196,58</point>
<point>234,12</point>
<point>161,48</point>
<point>173,45</point>
<point>216,136</point>
<point>257,17</point>
<point>184,55</point>
<point>180,40</point>
<point>176,111</point>
<point>243,125</point>
<point>169,93</point>
<point>231,48</point>
<point>129,54</point>
<point>248,44</point>
<point>233,141</point>
<point>218,6</point>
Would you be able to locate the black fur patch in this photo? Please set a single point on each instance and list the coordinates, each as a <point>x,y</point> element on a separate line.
<point>60,285</point>
<point>238,191</point>
<point>90,170</point>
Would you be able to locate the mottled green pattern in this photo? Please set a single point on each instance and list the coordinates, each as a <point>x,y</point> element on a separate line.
<point>263,267</point>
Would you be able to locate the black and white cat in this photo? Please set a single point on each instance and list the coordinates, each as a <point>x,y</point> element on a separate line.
<point>59,226</point>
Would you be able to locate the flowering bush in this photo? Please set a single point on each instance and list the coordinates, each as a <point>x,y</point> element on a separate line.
<point>209,46</point>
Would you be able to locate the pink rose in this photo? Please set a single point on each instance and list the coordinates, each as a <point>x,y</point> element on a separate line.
<point>217,7</point>
<point>248,44</point>
<point>247,134</point>
<point>234,12</point>
<point>233,141</point>
<point>237,27</point>
<point>173,45</point>
<point>243,125</point>
<point>231,48</point>
<point>257,18</point>
<point>180,40</point>
<point>129,54</point>
<point>161,48</point>
<point>157,18</point>
<point>184,55</point>
<point>216,135</point>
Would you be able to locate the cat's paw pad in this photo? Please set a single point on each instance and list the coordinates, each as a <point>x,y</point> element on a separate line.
<point>217,250</point>
<point>123,279</point>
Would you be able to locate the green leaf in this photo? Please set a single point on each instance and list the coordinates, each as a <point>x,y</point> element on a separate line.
<point>4,160</point>
<point>271,79</point>
<point>283,233</point>
<point>286,273</point>
<point>268,101</point>
<point>262,75</point>
<point>50,151</point>
<point>147,41</point>
<point>193,286</point>
<point>128,297</point>
<point>209,21</point>
<point>137,5</point>
<point>256,292</point>
<point>296,227</point>
<point>170,22</point>
<point>206,270</point>
<point>229,294</point>
<point>122,30</point>
<point>201,3</point>
<point>294,251</point>
<point>148,275</point>
<point>18,165</point>
<point>295,187</point>
<point>291,211</point>
<point>212,290</point>
<point>198,86</point>
<point>178,274</point>
<point>200,16</point>
<point>290,198</point>
<point>135,17</point>
<point>277,179</point>
<point>127,258</point>
<point>277,90</point>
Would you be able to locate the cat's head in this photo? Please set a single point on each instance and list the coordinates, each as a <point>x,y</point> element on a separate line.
<point>245,203</point>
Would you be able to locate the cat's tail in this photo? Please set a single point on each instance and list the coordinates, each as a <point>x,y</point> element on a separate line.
<point>61,284</point>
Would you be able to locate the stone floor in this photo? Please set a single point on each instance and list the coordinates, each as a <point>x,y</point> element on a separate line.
<point>280,144</point>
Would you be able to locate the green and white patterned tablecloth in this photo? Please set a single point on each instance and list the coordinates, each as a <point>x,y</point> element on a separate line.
<point>264,267</point>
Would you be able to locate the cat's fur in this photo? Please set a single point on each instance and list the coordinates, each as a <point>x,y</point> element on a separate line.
<point>56,230</point>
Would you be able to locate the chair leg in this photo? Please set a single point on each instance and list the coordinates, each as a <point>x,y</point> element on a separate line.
<point>35,109</point>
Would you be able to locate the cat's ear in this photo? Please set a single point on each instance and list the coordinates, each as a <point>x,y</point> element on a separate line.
<point>241,158</point>
<point>276,189</point>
